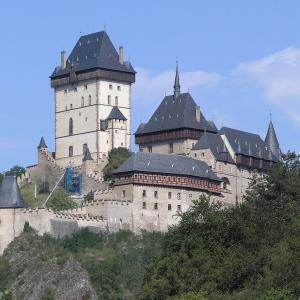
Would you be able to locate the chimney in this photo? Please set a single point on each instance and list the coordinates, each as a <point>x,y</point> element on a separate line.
<point>197,113</point>
<point>63,59</point>
<point>121,55</point>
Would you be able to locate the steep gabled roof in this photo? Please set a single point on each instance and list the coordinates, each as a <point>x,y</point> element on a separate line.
<point>116,114</point>
<point>92,51</point>
<point>213,126</point>
<point>248,144</point>
<point>175,113</point>
<point>272,142</point>
<point>166,164</point>
<point>215,143</point>
<point>10,196</point>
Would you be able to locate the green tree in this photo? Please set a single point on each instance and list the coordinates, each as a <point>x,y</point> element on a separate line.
<point>4,279</point>
<point>17,171</point>
<point>60,200</point>
<point>239,252</point>
<point>115,158</point>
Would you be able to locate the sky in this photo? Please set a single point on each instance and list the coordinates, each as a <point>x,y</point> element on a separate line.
<point>240,60</point>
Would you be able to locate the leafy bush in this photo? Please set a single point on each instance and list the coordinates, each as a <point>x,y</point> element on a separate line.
<point>4,279</point>
<point>115,158</point>
<point>60,200</point>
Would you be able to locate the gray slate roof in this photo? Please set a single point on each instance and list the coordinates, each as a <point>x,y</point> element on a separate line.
<point>87,155</point>
<point>272,142</point>
<point>175,113</point>
<point>215,143</point>
<point>42,143</point>
<point>91,51</point>
<point>166,164</point>
<point>247,143</point>
<point>10,196</point>
<point>213,126</point>
<point>116,114</point>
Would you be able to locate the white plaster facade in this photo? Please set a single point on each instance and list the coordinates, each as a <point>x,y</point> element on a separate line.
<point>86,104</point>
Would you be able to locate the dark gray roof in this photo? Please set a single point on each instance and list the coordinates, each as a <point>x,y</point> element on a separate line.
<point>213,126</point>
<point>175,113</point>
<point>91,51</point>
<point>87,155</point>
<point>10,196</point>
<point>272,142</point>
<point>166,164</point>
<point>215,143</point>
<point>116,114</point>
<point>248,144</point>
<point>42,143</point>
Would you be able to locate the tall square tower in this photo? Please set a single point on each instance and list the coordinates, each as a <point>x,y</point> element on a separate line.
<point>92,100</point>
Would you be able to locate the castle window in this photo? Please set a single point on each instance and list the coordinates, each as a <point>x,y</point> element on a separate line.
<point>178,207</point>
<point>119,88</point>
<point>155,194</point>
<point>84,147</point>
<point>75,89</point>
<point>178,196</point>
<point>116,101</point>
<point>108,99</point>
<point>66,107</point>
<point>71,106</point>
<point>155,206</point>
<point>169,207</point>
<point>85,86</point>
<point>123,193</point>
<point>144,194</point>
<point>144,205</point>
<point>110,87</point>
<point>150,149</point>
<point>65,91</point>
<point>171,148</point>
<point>90,100</point>
<point>203,154</point>
<point>190,196</point>
<point>82,101</point>
<point>195,154</point>
<point>169,195</point>
<point>70,151</point>
<point>70,126</point>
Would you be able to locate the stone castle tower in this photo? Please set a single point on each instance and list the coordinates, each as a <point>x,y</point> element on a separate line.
<point>92,100</point>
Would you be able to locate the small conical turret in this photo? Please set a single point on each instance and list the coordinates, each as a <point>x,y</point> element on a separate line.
<point>272,142</point>
<point>176,83</point>
<point>87,155</point>
<point>42,144</point>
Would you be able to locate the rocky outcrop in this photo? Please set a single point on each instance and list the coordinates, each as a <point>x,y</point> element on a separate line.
<point>39,270</point>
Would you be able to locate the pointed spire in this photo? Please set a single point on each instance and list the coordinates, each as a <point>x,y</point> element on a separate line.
<point>87,155</point>
<point>176,83</point>
<point>272,142</point>
<point>42,144</point>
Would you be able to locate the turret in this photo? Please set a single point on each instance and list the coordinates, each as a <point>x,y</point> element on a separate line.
<point>272,142</point>
<point>87,161</point>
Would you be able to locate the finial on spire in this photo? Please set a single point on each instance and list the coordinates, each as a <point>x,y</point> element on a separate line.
<point>176,83</point>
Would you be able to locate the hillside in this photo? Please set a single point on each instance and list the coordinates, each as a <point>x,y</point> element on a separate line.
<point>251,251</point>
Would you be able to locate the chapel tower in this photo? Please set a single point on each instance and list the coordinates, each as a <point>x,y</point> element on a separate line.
<point>92,100</point>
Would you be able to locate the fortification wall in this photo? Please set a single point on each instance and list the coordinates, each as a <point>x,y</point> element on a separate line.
<point>12,222</point>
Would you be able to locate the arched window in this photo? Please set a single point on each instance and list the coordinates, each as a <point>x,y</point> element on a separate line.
<point>71,126</point>
<point>82,101</point>
<point>90,100</point>
<point>116,101</point>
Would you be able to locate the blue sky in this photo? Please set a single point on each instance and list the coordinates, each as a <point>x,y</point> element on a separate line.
<point>239,60</point>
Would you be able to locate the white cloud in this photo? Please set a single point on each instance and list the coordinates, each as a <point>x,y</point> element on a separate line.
<point>151,86</point>
<point>278,75</point>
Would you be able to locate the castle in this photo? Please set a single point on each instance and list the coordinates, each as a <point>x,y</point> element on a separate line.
<point>182,155</point>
